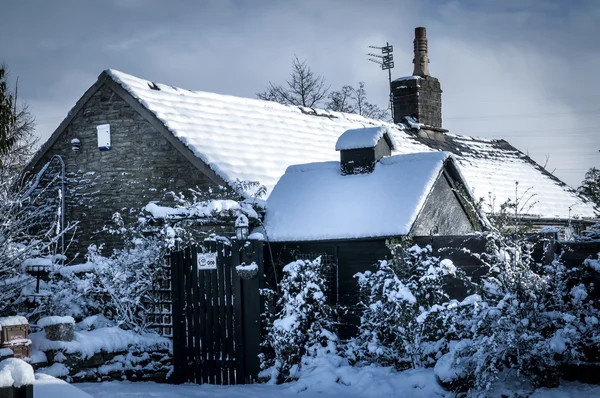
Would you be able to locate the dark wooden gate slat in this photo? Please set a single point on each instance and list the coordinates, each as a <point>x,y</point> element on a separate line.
<point>209,327</point>
<point>222,312</point>
<point>202,323</point>
<point>216,326</point>
<point>229,341</point>
<point>197,353</point>
<point>189,311</point>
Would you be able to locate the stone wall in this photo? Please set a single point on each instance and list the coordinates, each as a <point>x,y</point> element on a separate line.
<point>420,98</point>
<point>134,365</point>
<point>141,166</point>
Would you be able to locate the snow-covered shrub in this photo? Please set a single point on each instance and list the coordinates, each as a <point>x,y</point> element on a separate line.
<point>590,234</point>
<point>406,309</point>
<point>30,234</point>
<point>532,319</point>
<point>123,285</point>
<point>304,325</point>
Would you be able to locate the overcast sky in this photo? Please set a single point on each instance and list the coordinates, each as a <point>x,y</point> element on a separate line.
<point>527,71</point>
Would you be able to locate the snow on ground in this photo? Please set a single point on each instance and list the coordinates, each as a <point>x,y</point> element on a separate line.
<point>369,382</point>
<point>405,386</point>
<point>49,387</point>
<point>568,390</point>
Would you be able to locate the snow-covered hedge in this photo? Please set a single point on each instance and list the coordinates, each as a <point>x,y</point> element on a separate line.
<point>524,318</point>
<point>405,318</point>
<point>533,318</point>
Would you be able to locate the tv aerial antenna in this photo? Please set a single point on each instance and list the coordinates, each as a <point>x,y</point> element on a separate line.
<point>386,61</point>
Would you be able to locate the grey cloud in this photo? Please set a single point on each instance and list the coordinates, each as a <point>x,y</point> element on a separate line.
<point>493,58</point>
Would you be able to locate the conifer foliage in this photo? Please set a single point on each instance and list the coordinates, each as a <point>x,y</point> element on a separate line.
<point>304,324</point>
<point>404,309</point>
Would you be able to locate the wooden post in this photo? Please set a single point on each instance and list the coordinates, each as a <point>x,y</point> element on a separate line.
<point>253,307</point>
<point>178,321</point>
<point>238,324</point>
<point>17,392</point>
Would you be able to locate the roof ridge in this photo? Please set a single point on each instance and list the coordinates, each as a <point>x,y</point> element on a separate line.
<point>117,76</point>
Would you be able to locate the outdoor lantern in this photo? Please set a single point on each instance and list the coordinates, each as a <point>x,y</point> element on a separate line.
<point>75,144</point>
<point>241,227</point>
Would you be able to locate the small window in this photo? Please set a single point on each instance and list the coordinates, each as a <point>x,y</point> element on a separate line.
<point>103,137</point>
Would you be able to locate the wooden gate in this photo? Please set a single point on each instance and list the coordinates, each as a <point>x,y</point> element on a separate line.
<point>216,312</point>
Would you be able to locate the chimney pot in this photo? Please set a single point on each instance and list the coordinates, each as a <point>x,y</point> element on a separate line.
<point>421,58</point>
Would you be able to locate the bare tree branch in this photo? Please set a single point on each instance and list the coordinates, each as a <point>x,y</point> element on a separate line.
<point>303,88</point>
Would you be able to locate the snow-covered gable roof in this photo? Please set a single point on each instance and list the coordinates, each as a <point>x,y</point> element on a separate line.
<point>254,140</point>
<point>363,138</point>
<point>316,202</point>
<point>249,139</point>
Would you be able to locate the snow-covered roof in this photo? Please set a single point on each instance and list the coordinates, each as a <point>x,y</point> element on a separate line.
<point>366,137</point>
<point>254,140</point>
<point>316,202</point>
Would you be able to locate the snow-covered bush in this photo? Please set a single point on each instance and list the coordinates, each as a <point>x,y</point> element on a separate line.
<point>30,234</point>
<point>532,319</point>
<point>405,309</point>
<point>590,234</point>
<point>304,325</point>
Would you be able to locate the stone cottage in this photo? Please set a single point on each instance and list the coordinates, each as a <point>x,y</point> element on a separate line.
<point>128,140</point>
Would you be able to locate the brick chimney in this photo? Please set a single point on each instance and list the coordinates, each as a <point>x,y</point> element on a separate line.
<point>418,96</point>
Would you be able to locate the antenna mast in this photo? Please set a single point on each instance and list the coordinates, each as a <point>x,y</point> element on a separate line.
<point>386,61</point>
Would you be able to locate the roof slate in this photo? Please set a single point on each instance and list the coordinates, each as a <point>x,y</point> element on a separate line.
<point>254,140</point>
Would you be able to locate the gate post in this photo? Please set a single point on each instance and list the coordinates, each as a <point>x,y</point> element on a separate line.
<point>246,253</point>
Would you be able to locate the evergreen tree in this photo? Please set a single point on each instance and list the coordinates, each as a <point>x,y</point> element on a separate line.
<point>8,112</point>
<point>17,139</point>
<point>590,186</point>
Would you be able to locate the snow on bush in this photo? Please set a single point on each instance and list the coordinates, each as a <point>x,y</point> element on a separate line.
<point>592,234</point>
<point>303,327</point>
<point>123,285</point>
<point>30,234</point>
<point>405,309</point>
<point>532,319</point>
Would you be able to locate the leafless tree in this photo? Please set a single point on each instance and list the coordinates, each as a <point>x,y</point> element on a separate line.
<point>354,100</point>
<point>303,88</point>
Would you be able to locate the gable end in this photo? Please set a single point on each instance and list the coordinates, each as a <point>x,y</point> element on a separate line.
<point>444,211</point>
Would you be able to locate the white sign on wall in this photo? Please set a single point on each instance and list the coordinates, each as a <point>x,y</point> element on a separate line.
<point>207,261</point>
<point>103,131</point>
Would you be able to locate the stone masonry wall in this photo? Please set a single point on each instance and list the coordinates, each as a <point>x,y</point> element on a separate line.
<point>141,166</point>
<point>419,98</point>
<point>133,365</point>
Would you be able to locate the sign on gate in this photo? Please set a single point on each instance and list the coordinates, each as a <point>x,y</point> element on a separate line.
<point>207,261</point>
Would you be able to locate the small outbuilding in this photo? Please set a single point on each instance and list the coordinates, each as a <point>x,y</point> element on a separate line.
<point>346,211</point>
